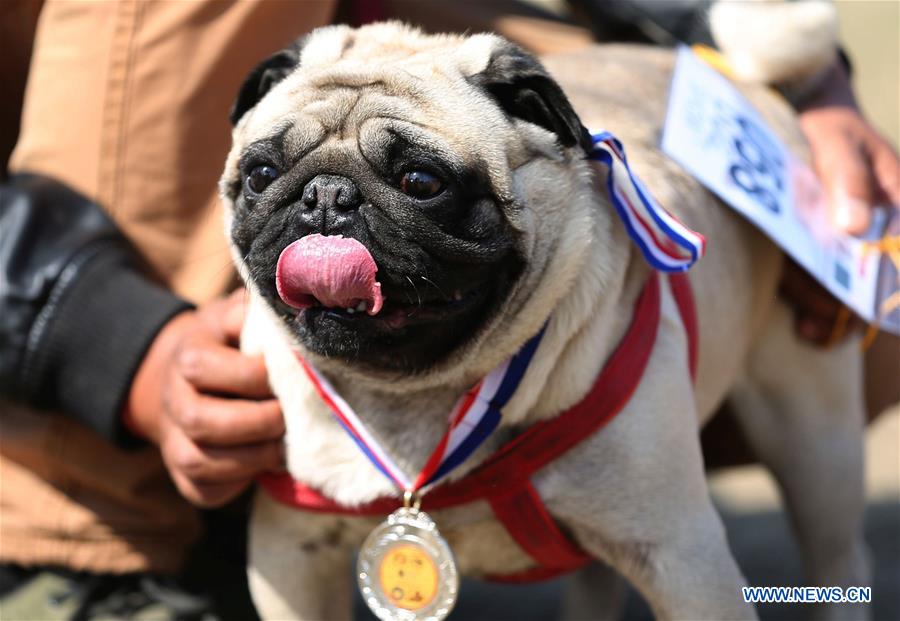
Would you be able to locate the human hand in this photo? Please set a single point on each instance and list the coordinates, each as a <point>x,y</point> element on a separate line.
<point>857,166</point>
<point>207,406</point>
<point>859,170</point>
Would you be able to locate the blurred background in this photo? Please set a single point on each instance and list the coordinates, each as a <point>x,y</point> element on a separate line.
<point>870,31</point>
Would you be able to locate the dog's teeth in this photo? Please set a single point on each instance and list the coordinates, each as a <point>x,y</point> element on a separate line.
<point>361,307</point>
<point>457,295</point>
<point>351,310</point>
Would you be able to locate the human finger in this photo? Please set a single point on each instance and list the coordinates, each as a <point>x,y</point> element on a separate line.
<point>234,314</point>
<point>214,465</point>
<point>208,495</point>
<point>886,166</point>
<point>229,422</point>
<point>217,368</point>
<point>846,171</point>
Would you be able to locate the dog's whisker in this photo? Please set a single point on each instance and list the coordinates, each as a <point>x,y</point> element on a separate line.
<point>432,283</point>
<point>418,297</point>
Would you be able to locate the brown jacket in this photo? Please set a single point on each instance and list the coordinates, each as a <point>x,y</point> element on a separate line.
<point>128,103</point>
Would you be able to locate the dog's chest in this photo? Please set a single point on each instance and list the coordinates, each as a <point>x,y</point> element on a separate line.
<point>323,455</point>
<point>482,545</point>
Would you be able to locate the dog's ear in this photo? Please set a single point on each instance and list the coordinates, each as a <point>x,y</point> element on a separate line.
<point>524,89</point>
<point>264,76</point>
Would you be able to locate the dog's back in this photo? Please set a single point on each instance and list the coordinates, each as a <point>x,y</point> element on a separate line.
<point>735,283</point>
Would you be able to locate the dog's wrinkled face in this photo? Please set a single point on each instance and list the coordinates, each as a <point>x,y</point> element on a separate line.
<point>368,187</point>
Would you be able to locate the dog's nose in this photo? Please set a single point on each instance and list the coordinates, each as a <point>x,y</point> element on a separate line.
<point>331,192</point>
<point>329,202</point>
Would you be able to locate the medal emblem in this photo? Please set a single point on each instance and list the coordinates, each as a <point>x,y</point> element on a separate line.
<point>406,570</point>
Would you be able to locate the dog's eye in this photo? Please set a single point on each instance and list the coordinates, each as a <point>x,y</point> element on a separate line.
<point>420,184</point>
<point>260,178</point>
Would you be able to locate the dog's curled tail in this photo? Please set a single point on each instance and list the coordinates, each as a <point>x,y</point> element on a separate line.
<point>773,41</point>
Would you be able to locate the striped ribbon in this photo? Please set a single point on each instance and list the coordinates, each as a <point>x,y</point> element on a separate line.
<point>474,417</point>
<point>667,244</point>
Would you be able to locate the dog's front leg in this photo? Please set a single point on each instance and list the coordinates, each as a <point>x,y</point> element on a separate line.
<point>689,576</point>
<point>635,496</point>
<point>299,564</point>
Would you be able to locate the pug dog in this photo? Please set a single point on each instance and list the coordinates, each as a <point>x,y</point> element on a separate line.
<point>408,210</point>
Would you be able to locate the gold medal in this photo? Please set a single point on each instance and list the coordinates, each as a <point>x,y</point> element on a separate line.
<point>406,570</point>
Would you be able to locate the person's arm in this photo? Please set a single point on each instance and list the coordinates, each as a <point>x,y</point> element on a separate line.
<point>76,313</point>
<point>857,165</point>
<point>85,333</point>
<point>148,146</point>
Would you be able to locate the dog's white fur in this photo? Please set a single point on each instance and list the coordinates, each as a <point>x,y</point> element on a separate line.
<point>633,495</point>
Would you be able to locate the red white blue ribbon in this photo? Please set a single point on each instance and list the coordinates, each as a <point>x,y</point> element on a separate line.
<point>667,244</point>
<point>474,417</point>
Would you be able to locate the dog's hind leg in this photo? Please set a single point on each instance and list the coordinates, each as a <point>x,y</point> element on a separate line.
<point>299,564</point>
<point>801,408</point>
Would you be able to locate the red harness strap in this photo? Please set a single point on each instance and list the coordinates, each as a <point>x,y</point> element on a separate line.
<point>504,480</point>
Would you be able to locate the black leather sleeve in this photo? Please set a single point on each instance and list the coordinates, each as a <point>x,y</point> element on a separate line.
<point>659,22</point>
<point>76,312</point>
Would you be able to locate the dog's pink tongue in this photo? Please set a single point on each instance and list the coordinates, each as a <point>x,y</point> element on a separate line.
<point>333,270</point>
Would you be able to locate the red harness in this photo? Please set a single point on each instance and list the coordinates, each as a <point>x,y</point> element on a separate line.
<point>504,480</point>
